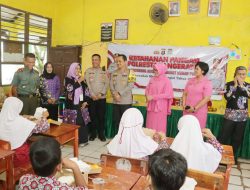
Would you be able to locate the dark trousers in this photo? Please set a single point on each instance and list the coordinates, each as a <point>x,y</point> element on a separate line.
<point>29,105</point>
<point>232,130</point>
<point>118,110</point>
<point>97,115</point>
<point>83,130</point>
<point>52,109</point>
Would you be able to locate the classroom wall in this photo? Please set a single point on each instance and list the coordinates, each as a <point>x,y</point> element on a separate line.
<point>78,23</point>
<point>187,30</point>
<point>44,8</point>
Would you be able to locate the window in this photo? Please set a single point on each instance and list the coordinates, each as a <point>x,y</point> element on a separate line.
<point>22,32</point>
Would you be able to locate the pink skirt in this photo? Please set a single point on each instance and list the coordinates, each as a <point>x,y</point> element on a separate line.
<point>157,121</point>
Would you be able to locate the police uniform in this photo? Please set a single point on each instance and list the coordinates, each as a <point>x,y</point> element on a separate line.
<point>122,83</point>
<point>97,81</point>
<point>27,83</point>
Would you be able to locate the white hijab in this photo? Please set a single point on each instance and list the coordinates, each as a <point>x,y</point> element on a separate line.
<point>14,128</point>
<point>131,141</point>
<point>189,142</point>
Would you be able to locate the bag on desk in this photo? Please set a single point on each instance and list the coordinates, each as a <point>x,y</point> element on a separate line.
<point>69,116</point>
<point>85,116</point>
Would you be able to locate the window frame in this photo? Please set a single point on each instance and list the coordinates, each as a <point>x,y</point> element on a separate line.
<point>26,42</point>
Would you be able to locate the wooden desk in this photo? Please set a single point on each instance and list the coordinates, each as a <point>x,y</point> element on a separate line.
<point>115,179</point>
<point>227,155</point>
<point>6,165</point>
<point>142,185</point>
<point>63,134</point>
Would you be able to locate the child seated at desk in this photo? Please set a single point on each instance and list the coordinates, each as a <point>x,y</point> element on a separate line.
<point>45,156</point>
<point>16,129</point>
<point>131,141</point>
<point>167,170</point>
<point>200,155</point>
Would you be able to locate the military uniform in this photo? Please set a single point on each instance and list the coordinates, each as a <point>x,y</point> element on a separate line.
<point>122,83</point>
<point>97,81</point>
<point>27,83</point>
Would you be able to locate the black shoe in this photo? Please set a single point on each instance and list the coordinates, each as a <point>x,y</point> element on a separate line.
<point>103,139</point>
<point>92,138</point>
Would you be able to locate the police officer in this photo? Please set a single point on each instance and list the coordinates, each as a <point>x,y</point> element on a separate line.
<point>121,85</point>
<point>25,85</point>
<point>97,81</point>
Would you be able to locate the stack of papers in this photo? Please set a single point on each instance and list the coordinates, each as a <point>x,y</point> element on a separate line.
<point>84,167</point>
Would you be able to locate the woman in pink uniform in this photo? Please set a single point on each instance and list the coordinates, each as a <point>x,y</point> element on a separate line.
<point>159,95</point>
<point>197,93</point>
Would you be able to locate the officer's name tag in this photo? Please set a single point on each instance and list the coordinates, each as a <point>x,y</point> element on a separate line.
<point>81,97</point>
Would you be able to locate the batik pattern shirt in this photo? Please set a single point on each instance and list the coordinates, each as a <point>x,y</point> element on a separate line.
<point>29,182</point>
<point>237,101</point>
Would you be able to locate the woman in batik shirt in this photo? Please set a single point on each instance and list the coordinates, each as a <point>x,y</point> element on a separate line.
<point>236,113</point>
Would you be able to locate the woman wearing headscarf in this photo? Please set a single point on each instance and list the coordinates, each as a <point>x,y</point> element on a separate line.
<point>236,113</point>
<point>50,90</point>
<point>200,155</point>
<point>16,129</point>
<point>77,100</point>
<point>197,93</point>
<point>159,96</point>
<point>131,141</point>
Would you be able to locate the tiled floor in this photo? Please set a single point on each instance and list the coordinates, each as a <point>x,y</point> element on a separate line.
<point>240,176</point>
<point>239,179</point>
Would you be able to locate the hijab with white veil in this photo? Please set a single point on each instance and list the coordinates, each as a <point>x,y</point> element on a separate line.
<point>131,140</point>
<point>189,142</point>
<point>14,128</point>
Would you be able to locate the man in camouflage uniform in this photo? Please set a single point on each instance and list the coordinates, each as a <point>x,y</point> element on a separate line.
<point>25,85</point>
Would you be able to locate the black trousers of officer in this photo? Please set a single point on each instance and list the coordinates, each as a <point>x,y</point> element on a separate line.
<point>97,116</point>
<point>118,110</point>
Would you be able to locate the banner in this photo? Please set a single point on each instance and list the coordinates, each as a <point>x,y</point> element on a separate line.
<point>180,62</point>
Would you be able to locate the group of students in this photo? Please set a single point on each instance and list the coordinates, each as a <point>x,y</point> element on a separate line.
<point>167,164</point>
<point>134,142</point>
<point>167,169</point>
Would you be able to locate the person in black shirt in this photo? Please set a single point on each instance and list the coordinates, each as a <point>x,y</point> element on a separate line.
<point>236,113</point>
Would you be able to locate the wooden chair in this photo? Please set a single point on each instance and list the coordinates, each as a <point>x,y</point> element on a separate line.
<point>137,165</point>
<point>224,170</point>
<point>17,172</point>
<point>207,180</point>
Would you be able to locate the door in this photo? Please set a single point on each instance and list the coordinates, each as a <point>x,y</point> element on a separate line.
<point>61,57</point>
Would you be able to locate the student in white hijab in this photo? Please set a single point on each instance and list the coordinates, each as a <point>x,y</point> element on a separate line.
<point>189,142</point>
<point>16,129</point>
<point>131,141</point>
